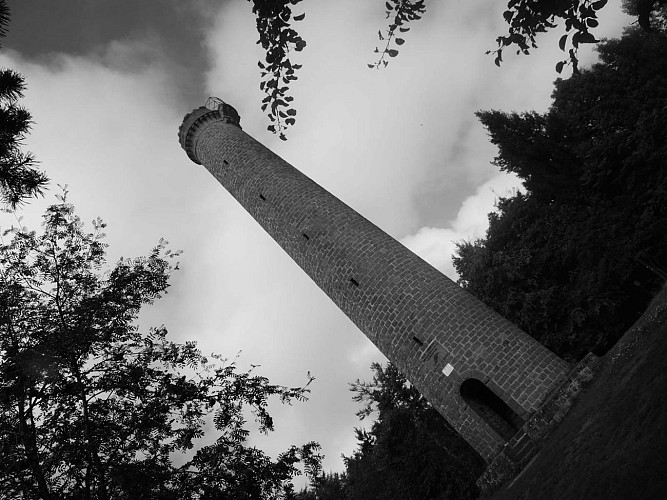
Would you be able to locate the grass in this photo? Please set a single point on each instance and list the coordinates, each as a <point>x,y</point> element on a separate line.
<point>613,443</point>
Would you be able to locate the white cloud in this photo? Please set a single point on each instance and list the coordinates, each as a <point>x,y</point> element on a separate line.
<point>437,245</point>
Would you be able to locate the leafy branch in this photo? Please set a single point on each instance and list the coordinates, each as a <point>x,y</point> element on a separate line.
<point>277,38</point>
<point>528,18</point>
<point>403,11</point>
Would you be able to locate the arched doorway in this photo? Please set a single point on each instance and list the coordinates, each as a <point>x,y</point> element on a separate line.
<point>493,410</point>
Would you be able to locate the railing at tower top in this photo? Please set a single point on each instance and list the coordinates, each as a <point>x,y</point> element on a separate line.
<point>228,112</point>
<point>214,103</point>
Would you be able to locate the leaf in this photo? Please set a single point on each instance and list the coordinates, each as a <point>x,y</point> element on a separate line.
<point>290,121</point>
<point>499,58</point>
<point>508,14</point>
<point>371,66</point>
<point>392,52</point>
<point>291,112</point>
<point>561,43</point>
<point>299,18</point>
<point>404,29</point>
<point>592,23</point>
<point>599,5</point>
<point>587,38</point>
<point>380,35</point>
<point>389,6</point>
<point>400,41</point>
<point>559,67</point>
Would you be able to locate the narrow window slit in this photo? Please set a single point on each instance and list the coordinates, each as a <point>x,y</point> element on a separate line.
<point>306,236</point>
<point>262,197</point>
<point>354,282</point>
<point>418,341</point>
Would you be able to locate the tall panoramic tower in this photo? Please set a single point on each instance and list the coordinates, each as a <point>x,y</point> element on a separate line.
<point>481,372</point>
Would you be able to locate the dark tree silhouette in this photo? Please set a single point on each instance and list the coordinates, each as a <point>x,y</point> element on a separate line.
<point>575,259</point>
<point>92,408</point>
<point>410,451</point>
<point>19,177</point>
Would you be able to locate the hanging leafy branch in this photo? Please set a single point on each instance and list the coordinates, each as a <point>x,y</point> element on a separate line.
<point>528,18</point>
<point>403,11</point>
<point>277,38</point>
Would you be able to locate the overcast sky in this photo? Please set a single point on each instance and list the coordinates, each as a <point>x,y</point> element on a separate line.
<point>109,82</point>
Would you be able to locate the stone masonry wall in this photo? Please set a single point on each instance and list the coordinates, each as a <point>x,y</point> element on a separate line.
<point>435,332</point>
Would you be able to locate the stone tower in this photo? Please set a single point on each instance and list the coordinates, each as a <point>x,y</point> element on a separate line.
<point>481,372</point>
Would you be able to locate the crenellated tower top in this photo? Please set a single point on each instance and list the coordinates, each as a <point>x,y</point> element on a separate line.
<point>214,109</point>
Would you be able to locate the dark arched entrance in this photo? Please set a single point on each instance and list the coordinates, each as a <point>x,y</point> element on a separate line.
<point>493,410</point>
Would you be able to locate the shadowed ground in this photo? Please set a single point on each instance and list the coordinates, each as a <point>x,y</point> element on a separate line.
<point>613,443</point>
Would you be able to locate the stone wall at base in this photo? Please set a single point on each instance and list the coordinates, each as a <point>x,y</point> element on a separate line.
<point>518,451</point>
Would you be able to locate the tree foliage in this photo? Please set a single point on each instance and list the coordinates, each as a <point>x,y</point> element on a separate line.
<point>574,259</point>
<point>92,408</point>
<point>278,38</point>
<point>401,13</point>
<point>329,486</point>
<point>410,451</point>
<point>19,177</point>
<point>525,19</point>
<point>651,14</point>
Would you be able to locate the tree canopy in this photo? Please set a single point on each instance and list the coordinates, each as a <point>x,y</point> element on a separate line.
<point>409,452</point>
<point>19,177</point>
<point>92,408</point>
<point>574,259</point>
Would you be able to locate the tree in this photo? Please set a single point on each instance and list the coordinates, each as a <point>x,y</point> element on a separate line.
<point>92,408</point>
<point>331,486</point>
<point>19,177</point>
<point>575,259</point>
<point>411,451</point>
<point>651,14</point>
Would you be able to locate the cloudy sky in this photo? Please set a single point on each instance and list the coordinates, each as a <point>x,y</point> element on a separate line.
<point>109,82</point>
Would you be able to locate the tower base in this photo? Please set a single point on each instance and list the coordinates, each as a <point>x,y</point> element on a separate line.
<point>519,451</point>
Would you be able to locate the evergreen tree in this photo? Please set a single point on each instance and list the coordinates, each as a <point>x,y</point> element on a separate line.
<point>575,258</point>
<point>410,451</point>
<point>19,177</point>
